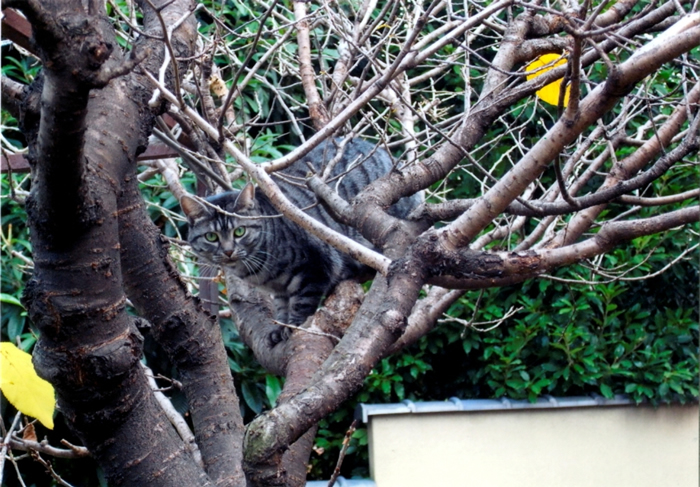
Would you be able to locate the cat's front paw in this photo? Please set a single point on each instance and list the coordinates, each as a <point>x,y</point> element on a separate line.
<point>278,335</point>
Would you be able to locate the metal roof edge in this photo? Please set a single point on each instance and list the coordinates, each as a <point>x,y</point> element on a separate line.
<point>364,411</point>
<point>343,482</point>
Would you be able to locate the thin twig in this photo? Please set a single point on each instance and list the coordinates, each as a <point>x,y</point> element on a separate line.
<point>174,417</point>
<point>6,443</point>
<point>42,447</point>
<point>236,87</point>
<point>343,451</point>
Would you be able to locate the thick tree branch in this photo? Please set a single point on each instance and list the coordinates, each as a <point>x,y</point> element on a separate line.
<point>89,347</point>
<point>188,334</point>
<point>297,359</point>
<point>307,351</point>
<point>633,163</point>
<point>254,317</point>
<point>425,314</point>
<point>469,269</point>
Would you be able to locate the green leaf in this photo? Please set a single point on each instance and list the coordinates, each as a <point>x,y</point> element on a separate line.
<point>233,365</point>
<point>399,390</point>
<point>8,298</point>
<point>273,387</point>
<point>251,397</point>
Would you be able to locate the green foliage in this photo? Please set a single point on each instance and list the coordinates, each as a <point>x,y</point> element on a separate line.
<point>20,68</point>
<point>257,389</point>
<point>16,253</point>
<point>586,340</point>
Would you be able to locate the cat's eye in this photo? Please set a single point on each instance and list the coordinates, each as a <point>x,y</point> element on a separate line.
<point>239,232</point>
<point>211,236</point>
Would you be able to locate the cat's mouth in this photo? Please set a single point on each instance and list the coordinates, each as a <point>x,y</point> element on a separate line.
<point>228,259</point>
<point>222,260</point>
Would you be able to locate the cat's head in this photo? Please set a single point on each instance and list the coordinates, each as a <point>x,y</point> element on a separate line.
<point>224,238</point>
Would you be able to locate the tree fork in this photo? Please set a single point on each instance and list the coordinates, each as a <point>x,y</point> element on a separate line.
<point>380,321</point>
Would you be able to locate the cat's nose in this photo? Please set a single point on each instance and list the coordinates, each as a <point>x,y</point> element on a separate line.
<point>228,253</point>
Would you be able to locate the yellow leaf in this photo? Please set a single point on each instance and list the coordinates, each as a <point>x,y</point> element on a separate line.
<point>550,92</point>
<point>20,385</point>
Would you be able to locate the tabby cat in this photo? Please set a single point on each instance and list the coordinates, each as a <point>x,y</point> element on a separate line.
<point>275,254</point>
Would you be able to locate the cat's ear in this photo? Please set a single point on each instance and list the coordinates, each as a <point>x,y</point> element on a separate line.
<point>192,208</point>
<point>246,199</point>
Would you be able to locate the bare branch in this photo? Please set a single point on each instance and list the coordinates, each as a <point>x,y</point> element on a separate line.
<point>661,200</point>
<point>425,314</point>
<point>26,445</point>
<point>175,418</point>
<point>317,110</point>
<point>467,269</point>
<point>6,441</point>
<point>12,94</point>
<point>630,165</point>
<point>600,100</point>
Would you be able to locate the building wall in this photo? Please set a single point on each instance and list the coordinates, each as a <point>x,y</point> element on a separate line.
<point>570,447</point>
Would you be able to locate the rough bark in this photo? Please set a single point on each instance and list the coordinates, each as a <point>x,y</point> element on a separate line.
<point>89,347</point>
<point>189,335</point>
<point>297,359</point>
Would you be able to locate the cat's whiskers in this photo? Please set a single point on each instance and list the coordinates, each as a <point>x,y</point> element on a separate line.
<point>256,262</point>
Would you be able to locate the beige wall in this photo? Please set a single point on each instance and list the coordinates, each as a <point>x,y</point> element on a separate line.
<point>577,447</point>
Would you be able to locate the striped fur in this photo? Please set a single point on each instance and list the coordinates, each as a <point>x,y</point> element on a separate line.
<point>275,254</point>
